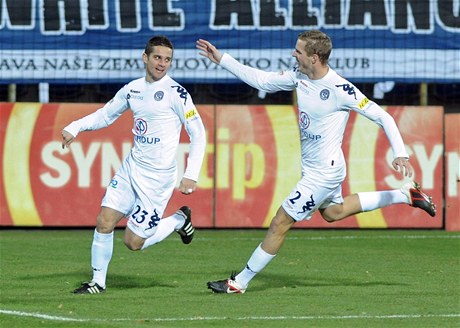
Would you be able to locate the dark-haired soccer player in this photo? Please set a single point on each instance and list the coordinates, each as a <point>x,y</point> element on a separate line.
<point>142,187</point>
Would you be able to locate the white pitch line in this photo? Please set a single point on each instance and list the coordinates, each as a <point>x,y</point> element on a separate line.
<point>39,315</point>
<point>266,318</point>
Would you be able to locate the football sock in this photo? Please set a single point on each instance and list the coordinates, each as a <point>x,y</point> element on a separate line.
<point>258,260</point>
<point>165,227</point>
<point>377,199</point>
<point>101,254</point>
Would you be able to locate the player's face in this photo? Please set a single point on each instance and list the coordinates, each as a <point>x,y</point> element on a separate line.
<point>157,63</point>
<point>304,61</point>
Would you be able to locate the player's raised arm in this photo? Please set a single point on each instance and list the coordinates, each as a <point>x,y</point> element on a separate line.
<point>208,50</point>
<point>67,139</point>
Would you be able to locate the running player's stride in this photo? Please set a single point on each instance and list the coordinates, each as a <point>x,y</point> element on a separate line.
<point>325,100</point>
<point>142,187</point>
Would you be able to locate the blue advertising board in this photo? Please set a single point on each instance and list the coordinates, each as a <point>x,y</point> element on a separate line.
<point>86,41</point>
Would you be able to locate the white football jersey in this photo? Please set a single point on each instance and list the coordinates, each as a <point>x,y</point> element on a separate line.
<point>324,108</point>
<point>159,110</point>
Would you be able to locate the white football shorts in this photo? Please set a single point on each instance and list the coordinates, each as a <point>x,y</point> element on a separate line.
<point>316,189</point>
<point>141,194</point>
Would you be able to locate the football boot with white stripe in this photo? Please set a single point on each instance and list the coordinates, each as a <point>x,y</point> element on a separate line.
<point>89,287</point>
<point>187,230</point>
<point>417,198</point>
<point>227,286</point>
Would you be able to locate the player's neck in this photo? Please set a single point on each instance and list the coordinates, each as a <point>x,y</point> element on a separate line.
<point>318,72</point>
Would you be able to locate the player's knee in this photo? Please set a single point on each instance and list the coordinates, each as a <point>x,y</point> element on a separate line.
<point>329,219</point>
<point>132,241</point>
<point>132,245</point>
<point>104,224</point>
<point>330,216</point>
<point>281,223</point>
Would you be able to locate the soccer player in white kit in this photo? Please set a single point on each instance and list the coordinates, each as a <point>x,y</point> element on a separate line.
<point>325,100</point>
<point>142,187</point>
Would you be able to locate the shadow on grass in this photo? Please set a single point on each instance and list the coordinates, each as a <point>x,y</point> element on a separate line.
<point>122,281</point>
<point>272,281</point>
<point>130,281</point>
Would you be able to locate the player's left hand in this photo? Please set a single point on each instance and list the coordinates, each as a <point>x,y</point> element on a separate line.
<point>187,186</point>
<point>402,165</point>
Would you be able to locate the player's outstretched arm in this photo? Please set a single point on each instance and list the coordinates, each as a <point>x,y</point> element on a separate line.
<point>208,50</point>
<point>67,139</point>
<point>187,186</point>
<point>402,165</point>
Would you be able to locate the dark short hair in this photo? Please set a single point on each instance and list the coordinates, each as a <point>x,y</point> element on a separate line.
<point>158,40</point>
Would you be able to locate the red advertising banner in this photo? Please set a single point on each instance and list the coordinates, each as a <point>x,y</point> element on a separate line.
<point>264,153</point>
<point>251,164</point>
<point>452,171</point>
<point>45,185</point>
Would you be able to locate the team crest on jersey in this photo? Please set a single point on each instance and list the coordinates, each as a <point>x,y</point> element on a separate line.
<point>304,120</point>
<point>158,95</point>
<point>324,94</point>
<point>140,126</point>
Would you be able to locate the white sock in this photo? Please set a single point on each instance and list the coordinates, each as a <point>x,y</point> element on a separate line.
<point>165,227</point>
<point>101,254</point>
<point>258,260</point>
<point>378,199</point>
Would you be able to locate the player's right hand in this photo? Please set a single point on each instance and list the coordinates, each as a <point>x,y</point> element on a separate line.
<point>208,50</point>
<point>67,139</point>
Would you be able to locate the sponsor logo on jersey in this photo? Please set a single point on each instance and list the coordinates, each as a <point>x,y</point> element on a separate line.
<point>302,86</point>
<point>182,92</point>
<point>140,126</point>
<point>304,120</point>
<point>311,136</point>
<point>191,113</point>
<point>304,123</point>
<point>363,103</point>
<point>130,96</point>
<point>113,183</point>
<point>134,91</point>
<point>147,140</point>
<point>324,94</point>
<point>350,89</point>
<point>158,95</point>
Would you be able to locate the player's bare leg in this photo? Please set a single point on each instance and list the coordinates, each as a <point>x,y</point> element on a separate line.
<point>351,205</point>
<point>277,232</point>
<point>410,194</point>
<point>261,256</point>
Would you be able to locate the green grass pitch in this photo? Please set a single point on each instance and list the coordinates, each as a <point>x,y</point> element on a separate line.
<point>320,278</point>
